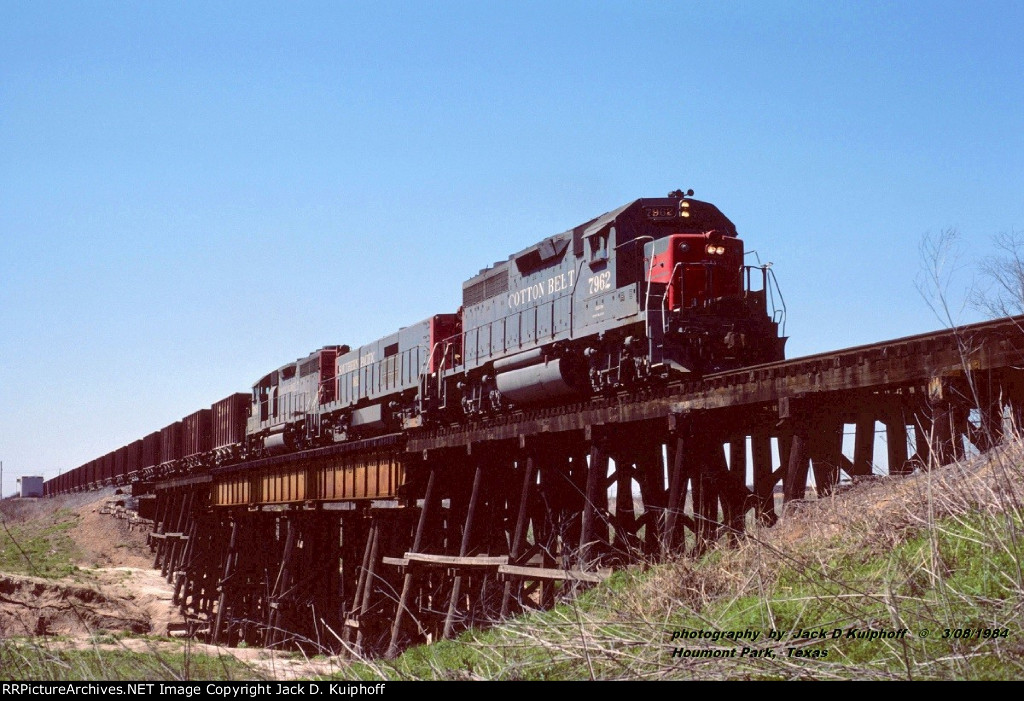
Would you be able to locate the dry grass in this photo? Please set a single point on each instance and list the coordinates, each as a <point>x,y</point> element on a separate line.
<point>865,522</point>
<point>938,550</point>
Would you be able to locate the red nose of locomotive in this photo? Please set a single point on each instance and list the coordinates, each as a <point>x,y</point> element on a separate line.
<point>698,293</point>
<point>697,267</point>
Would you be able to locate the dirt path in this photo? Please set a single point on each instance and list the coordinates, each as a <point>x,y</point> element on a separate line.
<point>122,562</point>
<point>113,589</point>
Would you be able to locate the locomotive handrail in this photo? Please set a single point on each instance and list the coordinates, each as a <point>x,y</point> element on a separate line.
<point>572,301</point>
<point>650,274</point>
<point>770,286</point>
<point>668,288</point>
<point>778,315</point>
<point>747,270</point>
<point>440,367</point>
<point>430,356</point>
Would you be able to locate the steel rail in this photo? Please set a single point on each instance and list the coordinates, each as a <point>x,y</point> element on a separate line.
<point>906,361</point>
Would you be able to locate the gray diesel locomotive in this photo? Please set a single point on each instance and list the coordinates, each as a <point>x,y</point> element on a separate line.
<point>656,286</point>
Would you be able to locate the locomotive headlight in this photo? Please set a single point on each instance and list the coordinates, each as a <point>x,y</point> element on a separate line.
<point>710,249</point>
<point>683,247</point>
<point>720,250</point>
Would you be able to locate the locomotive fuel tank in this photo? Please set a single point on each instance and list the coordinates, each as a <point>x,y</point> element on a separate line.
<point>531,376</point>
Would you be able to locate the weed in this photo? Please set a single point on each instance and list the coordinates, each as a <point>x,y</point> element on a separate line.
<point>910,578</point>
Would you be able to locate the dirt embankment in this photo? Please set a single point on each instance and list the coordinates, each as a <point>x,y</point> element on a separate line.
<point>114,588</point>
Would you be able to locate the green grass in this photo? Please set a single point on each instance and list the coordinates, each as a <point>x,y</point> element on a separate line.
<point>39,547</point>
<point>29,661</point>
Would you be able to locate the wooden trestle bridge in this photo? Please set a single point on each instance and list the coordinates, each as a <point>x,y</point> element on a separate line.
<point>378,544</point>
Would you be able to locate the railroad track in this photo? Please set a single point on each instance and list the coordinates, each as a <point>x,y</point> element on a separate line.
<point>904,363</point>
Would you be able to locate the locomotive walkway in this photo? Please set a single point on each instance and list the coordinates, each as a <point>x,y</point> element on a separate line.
<point>389,541</point>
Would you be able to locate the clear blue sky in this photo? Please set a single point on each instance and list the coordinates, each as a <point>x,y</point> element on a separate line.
<point>193,194</point>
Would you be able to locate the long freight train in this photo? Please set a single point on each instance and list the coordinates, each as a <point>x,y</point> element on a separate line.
<point>654,288</point>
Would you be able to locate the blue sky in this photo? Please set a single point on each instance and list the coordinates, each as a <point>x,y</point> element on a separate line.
<point>192,194</point>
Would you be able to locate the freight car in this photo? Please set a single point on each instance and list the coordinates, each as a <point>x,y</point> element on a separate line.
<point>655,288</point>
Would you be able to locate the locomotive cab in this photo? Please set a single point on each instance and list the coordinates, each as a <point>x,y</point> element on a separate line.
<point>705,309</point>
<point>695,269</point>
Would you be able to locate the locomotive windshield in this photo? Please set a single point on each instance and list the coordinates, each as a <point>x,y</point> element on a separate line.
<point>688,215</point>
